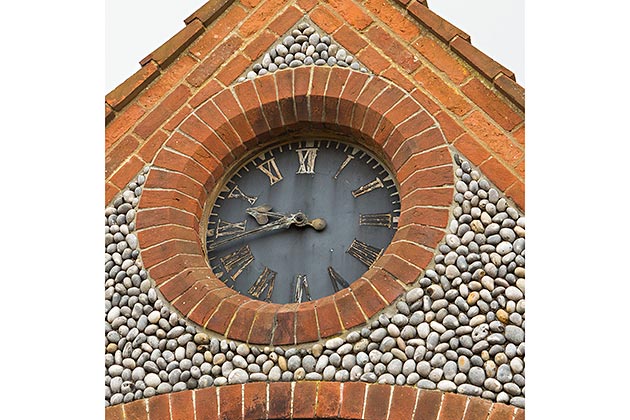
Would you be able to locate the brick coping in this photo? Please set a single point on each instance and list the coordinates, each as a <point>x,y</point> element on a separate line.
<point>378,114</point>
<point>310,399</point>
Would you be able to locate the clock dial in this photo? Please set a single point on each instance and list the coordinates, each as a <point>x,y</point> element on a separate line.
<point>301,220</point>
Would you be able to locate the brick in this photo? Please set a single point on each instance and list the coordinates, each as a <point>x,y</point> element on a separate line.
<point>136,410</point>
<point>325,19</point>
<point>444,93</point>
<point>114,412</point>
<point>220,319</point>
<point>218,57</point>
<point>439,55</point>
<point>301,85</point>
<point>501,412</point>
<point>439,197</point>
<point>415,144</point>
<point>403,402</point>
<point>425,216</point>
<point>318,87</point>
<point>207,91</point>
<point>395,20</point>
<point>262,327</point>
<point>183,164</point>
<point>255,400</point>
<point>349,39</point>
<point>230,402</point>
<point>209,11</point>
<point>480,61</point>
<point>169,79</point>
<point>368,299</point>
<point>428,405</point>
<point>168,249</point>
<point>519,414</point>
<point>285,21</point>
<point>213,117</point>
<point>449,126</point>
<point>208,306</point>
<point>176,181</point>
<point>497,173</point>
<point>122,123</point>
<point>150,147</point>
<point>171,49</point>
<point>424,235</point>
<point>494,106</point>
<point>304,399</point>
<point>328,400</point>
<point>156,217</point>
<point>517,193</point>
<point>248,97</point>
<point>129,89</point>
<point>453,406</point>
<point>260,17</point>
<point>351,13</point>
<point>520,168</point>
<point>251,3</point>
<point>519,135</point>
<point>306,328</point>
<point>393,48</point>
<point>471,149</point>
<point>119,153</point>
<point>284,83</point>
<point>109,114</point>
<point>349,311</point>
<point>336,82</point>
<point>511,89</point>
<point>478,408</point>
<point>307,5</point>
<point>329,323</point>
<point>383,103</point>
<point>181,282</point>
<point>243,320</point>
<point>352,400</point>
<point>176,265</point>
<point>233,69</point>
<point>163,111</point>
<point>384,284</point>
<point>402,80</point>
<point>206,404</point>
<point>182,405</point>
<point>494,138</point>
<point>266,88</point>
<point>218,31</point>
<point>190,298</point>
<point>373,60</point>
<point>372,89</point>
<point>284,333</point>
<point>175,120</point>
<point>427,103</point>
<point>230,107</point>
<point>432,177</point>
<point>279,400</point>
<point>398,268</point>
<point>437,25</point>
<point>377,401</point>
<point>423,160</point>
<point>410,251</point>
<point>258,46</point>
<point>159,407</point>
<point>127,172</point>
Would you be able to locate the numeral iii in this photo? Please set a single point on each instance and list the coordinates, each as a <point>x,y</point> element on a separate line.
<point>363,252</point>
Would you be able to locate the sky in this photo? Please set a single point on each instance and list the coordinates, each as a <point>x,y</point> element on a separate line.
<point>135,28</point>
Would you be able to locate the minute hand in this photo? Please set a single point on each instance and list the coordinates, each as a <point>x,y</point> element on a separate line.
<point>282,223</point>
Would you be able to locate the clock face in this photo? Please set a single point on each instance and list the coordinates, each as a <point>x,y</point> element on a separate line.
<point>301,221</point>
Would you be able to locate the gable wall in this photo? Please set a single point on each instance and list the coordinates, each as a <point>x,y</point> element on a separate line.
<point>475,100</point>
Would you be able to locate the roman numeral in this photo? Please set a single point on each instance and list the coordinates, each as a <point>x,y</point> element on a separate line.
<point>307,160</point>
<point>237,193</point>
<point>363,252</point>
<point>336,279</point>
<point>227,228</point>
<point>343,165</point>
<point>302,292</point>
<point>266,280</point>
<point>238,260</point>
<point>270,168</point>
<point>378,219</point>
<point>370,186</point>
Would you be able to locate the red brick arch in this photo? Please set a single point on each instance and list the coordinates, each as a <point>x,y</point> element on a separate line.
<point>237,120</point>
<point>313,400</point>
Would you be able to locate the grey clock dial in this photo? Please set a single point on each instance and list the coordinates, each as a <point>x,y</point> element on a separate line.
<point>301,220</point>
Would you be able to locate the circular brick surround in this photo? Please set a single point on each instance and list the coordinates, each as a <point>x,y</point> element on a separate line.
<point>250,115</point>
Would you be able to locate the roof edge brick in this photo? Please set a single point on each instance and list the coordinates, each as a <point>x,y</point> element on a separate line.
<point>170,50</point>
<point>209,11</point>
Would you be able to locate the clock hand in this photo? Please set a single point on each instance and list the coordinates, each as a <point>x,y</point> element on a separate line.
<point>281,223</point>
<point>262,214</point>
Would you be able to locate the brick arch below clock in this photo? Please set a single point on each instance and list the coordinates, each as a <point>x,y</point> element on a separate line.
<point>240,119</point>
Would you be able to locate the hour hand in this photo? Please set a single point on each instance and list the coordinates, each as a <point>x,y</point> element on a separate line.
<point>262,213</point>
